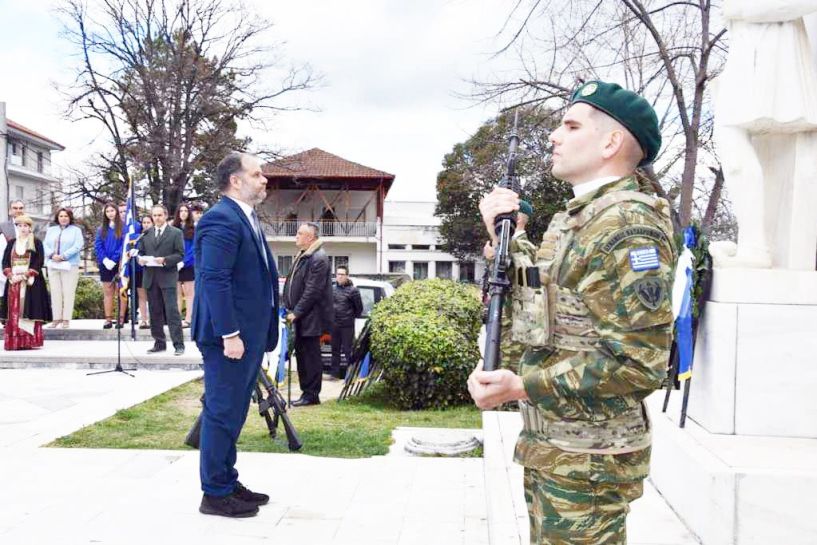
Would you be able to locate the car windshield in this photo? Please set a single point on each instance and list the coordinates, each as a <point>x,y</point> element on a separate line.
<point>367,296</point>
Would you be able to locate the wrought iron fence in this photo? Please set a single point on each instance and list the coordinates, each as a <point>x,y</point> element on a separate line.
<point>287,228</point>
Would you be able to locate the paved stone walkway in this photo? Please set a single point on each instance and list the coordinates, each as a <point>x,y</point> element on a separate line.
<point>122,497</point>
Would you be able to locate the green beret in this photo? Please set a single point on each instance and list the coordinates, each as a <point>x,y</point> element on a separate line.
<point>525,208</point>
<point>626,107</point>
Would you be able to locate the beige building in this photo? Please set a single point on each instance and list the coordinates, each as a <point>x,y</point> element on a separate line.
<point>28,175</point>
<point>359,227</point>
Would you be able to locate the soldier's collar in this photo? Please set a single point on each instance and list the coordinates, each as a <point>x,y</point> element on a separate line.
<point>575,204</point>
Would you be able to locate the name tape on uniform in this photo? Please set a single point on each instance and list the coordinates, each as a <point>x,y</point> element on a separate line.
<point>644,259</point>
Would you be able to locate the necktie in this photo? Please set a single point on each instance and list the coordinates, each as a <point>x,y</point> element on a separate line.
<point>259,236</point>
<point>158,233</point>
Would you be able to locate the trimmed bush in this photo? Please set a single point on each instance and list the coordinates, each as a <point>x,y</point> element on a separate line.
<point>88,300</point>
<point>425,339</point>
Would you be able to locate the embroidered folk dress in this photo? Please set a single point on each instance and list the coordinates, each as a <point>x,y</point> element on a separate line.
<point>25,304</point>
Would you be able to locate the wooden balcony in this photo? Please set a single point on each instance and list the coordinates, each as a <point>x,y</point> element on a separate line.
<point>352,229</point>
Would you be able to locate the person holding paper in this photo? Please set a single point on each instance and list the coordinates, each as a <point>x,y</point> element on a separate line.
<point>160,250</point>
<point>108,246</point>
<point>63,244</point>
<point>25,303</point>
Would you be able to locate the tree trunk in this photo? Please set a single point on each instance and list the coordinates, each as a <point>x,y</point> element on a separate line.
<point>714,200</point>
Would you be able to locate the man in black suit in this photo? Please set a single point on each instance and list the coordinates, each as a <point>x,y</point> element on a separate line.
<point>308,299</point>
<point>16,208</point>
<point>166,244</point>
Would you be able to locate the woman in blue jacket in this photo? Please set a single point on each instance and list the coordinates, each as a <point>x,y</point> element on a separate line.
<point>108,246</point>
<point>63,243</point>
<point>187,274</point>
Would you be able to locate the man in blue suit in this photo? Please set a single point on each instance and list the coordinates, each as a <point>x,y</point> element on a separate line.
<point>234,322</point>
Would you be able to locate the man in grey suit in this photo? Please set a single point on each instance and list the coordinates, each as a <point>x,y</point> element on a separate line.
<point>165,243</point>
<point>16,208</point>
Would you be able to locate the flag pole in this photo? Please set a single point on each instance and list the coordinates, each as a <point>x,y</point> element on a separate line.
<point>132,265</point>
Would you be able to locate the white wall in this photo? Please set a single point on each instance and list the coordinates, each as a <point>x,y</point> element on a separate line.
<point>4,197</point>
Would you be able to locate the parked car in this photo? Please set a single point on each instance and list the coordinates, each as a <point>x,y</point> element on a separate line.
<point>371,292</point>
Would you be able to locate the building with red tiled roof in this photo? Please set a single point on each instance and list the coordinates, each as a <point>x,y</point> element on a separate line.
<point>347,201</point>
<point>27,155</point>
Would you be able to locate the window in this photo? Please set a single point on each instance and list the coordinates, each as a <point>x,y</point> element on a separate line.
<point>40,201</point>
<point>420,270</point>
<point>39,161</point>
<point>14,148</point>
<point>23,153</point>
<point>397,266</point>
<point>444,269</point>
<point>284,264</point>
<point>338,261</point>
<point>420,247</point>
<point>467,273</point>
<point>19,190</point>
<point>397,246</point>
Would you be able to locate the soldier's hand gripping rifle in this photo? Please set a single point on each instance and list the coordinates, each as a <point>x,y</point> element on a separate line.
<point>498,283</point>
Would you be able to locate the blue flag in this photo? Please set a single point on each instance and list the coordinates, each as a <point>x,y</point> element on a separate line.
<point>130,236</point>
<point>683,323</point>
<point>283,343</point>
<point>364,367</point>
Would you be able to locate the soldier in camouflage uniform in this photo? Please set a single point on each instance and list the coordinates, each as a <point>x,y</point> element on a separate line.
<point>523,252</point>
<point>598,328</point>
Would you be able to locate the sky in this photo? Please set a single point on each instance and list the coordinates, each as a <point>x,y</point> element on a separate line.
<point>393,75</point>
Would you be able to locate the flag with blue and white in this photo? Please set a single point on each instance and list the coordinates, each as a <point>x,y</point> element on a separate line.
<point>644,259</point>
<point>682,293</point>
<point>130,236</point>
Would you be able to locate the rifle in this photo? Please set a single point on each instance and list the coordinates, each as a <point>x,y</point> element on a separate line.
<point>498,283</point>
<point>274,401</point>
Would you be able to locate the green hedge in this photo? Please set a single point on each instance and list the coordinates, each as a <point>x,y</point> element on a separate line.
<point>425,339</point>
<point>88,301</point>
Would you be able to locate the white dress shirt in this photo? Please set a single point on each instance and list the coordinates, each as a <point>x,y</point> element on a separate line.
<point>588,187</point>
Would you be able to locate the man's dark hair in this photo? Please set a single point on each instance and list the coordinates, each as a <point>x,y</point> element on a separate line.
<point>342,267</point>
<point>67,211</point>
<point>228,166</point>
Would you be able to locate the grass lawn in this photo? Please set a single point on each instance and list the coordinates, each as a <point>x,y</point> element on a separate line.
<point>354,428</point>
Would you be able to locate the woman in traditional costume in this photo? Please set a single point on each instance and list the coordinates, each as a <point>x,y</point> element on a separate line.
<point>26,304</point>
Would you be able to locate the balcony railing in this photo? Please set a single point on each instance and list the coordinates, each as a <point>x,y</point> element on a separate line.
<point>287,228</point>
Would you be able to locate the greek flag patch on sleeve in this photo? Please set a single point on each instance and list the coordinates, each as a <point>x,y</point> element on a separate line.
<point>644,259</point>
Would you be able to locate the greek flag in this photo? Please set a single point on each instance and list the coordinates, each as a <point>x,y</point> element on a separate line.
<point>130,236</point>
<point>682,305</point>
<point>364,368</point>
<point>644,259</point>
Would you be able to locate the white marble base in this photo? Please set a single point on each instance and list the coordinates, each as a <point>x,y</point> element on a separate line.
<point>764,286</point>
<point>755,371</point>
<point>735,490</point>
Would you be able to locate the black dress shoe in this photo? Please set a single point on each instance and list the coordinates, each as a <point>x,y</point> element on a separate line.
<point>305,401</point>
<point>107,325</point>
<point>156,348</point>
<point>227,506</point>
<point>246,495</point>
<point>179,351</point>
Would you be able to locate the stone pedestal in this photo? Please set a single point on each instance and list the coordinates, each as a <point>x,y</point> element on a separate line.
<point>743,470</point>
<point>755,370</point>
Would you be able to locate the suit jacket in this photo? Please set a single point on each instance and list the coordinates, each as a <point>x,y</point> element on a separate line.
<point>7,228</point>
<point>236,290</point>
<point>169,246</point>
<point>308,292</point>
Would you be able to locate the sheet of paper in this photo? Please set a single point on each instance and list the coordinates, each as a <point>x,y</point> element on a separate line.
<point>149,261</point>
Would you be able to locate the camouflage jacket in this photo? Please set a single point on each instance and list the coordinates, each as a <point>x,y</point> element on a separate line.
<point>618,266</point>
<point>522,250</point>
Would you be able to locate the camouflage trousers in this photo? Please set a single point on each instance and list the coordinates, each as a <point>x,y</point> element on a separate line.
<point>569,511</point>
